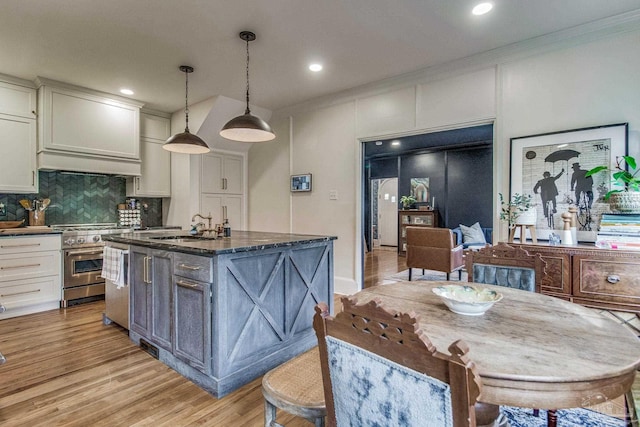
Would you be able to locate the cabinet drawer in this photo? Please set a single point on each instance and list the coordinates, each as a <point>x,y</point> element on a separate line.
<point>23,266</point>
<point>22,244</point>
<point>21,293</point>
<point>192,267</point>
<point>607,279</point>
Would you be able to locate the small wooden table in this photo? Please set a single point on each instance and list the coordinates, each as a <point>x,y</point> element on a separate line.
<point>531,350</point>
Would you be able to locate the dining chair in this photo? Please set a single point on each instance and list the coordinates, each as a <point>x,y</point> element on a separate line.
<point>506,265</point>
<point>514,267</point>
<point>379,369</point>
<point>433,249</point>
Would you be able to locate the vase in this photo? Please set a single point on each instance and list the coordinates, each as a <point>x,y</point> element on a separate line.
<point>625,202</point>
<point>527,217</point>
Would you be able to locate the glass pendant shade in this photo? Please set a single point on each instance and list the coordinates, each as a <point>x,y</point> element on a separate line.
<point>186,142</point>
<point>247,128</point>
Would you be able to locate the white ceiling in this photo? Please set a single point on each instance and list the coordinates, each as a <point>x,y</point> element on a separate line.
<point>109,44</point>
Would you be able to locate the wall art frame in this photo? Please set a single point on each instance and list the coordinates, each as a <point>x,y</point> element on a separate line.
<point>551,166</point>
<point>301,182</point>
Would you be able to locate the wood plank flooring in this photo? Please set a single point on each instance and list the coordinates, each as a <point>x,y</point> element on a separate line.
<point>380,263</point>
<point>65,368</point>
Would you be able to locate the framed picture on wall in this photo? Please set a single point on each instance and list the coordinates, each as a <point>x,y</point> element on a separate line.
<point>301,182</point>
<point>551,168</point>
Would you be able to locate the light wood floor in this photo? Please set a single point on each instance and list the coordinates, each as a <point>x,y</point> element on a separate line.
<point>380,263</point>
<point>65,368</point>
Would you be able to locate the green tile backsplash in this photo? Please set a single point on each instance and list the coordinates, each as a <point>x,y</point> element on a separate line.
<point>80,199</point>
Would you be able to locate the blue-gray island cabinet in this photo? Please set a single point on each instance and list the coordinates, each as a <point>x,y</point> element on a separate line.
<point>223,312</point>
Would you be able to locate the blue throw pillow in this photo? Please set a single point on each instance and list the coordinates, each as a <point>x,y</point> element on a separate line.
<point>473,234</point>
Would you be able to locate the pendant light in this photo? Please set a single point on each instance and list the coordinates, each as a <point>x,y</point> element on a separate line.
<point>186,142</point>
<point>247,128</point>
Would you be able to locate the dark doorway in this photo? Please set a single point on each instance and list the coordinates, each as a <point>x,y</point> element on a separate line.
<point>457,164</point>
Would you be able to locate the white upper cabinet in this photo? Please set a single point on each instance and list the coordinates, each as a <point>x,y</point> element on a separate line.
<point>18,136</point>
<point>77,123</point>
<point>222,173</point>
<point>155,180</point>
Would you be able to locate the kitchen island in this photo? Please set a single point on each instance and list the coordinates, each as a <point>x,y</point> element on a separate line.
<point>224,311</point>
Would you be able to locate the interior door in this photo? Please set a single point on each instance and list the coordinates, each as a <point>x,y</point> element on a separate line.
<point>388,212</point>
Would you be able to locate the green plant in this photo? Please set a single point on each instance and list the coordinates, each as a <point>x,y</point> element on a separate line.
<point>511,210</point>
<point>407,201</point>
<point>621,176</point>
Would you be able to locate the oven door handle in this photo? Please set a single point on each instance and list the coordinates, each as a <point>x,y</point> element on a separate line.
<point>83,252</point>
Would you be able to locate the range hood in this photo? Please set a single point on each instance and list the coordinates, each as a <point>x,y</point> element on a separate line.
<point>48,160</point>
<point>83,130</point>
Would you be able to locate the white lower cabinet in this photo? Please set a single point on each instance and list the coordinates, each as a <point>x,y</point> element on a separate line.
<point>30,274</point>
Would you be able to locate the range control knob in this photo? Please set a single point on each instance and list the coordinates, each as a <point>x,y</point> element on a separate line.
<point>80,239</point>
<point>69,242</point>
<point>96,238</point>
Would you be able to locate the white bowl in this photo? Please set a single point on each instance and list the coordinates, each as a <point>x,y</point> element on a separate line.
<point>466,299</point>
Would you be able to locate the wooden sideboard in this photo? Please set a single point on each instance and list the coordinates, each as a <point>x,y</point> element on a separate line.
<point>599,278</point>
<point>414,218</point>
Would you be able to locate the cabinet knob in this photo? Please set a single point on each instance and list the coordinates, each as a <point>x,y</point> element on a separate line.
<point>613,278</point>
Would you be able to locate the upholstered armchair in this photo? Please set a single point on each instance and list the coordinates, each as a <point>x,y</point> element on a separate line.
<point>433,249</point>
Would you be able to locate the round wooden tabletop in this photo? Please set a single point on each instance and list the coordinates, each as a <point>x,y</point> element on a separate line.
<point>531,350</point>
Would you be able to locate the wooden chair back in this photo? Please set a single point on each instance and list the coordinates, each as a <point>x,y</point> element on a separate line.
<point>504,255</point>
<point>396,337</point>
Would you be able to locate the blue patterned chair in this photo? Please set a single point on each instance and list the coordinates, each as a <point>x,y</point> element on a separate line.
<point>505,265</point>
<point>379,371</point>
<point>514,267</point>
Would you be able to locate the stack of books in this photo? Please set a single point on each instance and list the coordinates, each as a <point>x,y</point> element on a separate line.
<point>619,231</point>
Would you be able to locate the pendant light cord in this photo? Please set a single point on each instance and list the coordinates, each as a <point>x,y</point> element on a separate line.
<point>247,111</point>
<point>186,101</point>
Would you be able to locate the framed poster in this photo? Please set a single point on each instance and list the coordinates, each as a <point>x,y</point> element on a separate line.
<point>551,167</point>
<point>301,182</point>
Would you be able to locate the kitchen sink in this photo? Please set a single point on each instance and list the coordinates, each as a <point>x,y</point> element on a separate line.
<point>182,239</point>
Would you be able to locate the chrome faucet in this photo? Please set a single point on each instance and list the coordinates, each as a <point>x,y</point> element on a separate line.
<point>208,218</point>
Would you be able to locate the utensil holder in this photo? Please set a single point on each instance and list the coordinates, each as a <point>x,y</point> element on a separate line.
<point>36,220</point>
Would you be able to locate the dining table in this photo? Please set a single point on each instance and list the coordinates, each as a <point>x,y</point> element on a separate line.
<point>530,350</point>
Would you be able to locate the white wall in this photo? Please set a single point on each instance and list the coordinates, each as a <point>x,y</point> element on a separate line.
<point>324,144</point>
<point>269,172</point>
<point>585,76</point>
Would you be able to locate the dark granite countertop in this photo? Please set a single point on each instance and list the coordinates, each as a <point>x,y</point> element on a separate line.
<point>240,241</point>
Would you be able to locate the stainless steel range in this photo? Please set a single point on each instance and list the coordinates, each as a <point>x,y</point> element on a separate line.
<point>82,253</point>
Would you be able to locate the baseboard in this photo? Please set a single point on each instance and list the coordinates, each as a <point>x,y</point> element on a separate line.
<point>345,286</point>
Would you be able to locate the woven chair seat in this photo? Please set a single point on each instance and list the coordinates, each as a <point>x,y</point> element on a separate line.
<point>296,387</point>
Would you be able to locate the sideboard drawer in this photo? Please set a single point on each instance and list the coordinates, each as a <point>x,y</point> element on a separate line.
<point>608,279</point>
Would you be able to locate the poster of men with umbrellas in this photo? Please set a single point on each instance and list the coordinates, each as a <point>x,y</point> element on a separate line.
<point>552,169</point>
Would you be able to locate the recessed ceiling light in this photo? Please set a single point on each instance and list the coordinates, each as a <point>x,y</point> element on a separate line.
<point>126,91</point>
<point>315,67</point>
<point>482,8</point>
<point>396,142</point>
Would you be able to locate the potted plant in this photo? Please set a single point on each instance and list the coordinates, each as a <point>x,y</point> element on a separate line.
<point>407,201</point>
<point>626,197</point>
<point>518,210</point>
